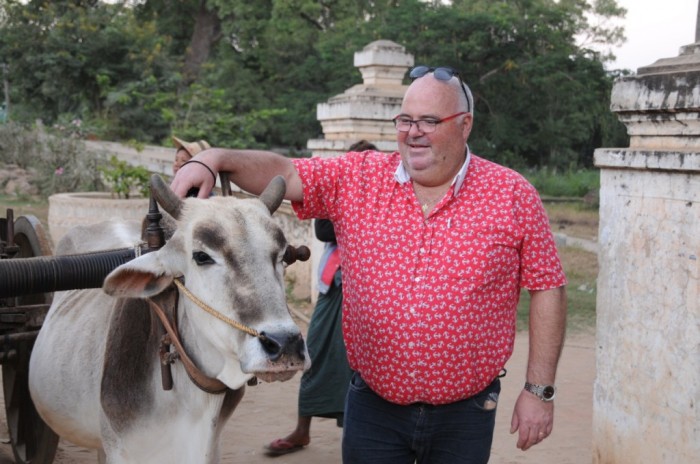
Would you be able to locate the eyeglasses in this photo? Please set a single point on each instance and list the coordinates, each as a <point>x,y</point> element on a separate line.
<point>403,123</point>
<point>442,73</point>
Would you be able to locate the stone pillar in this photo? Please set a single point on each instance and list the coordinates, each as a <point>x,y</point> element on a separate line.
<point>646,400</point>
<point>363,111</point>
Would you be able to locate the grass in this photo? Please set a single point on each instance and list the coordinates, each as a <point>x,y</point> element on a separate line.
<point>564,183</point>
<point>23,206</point>
<point>573,219</point>
<point>581,268</point>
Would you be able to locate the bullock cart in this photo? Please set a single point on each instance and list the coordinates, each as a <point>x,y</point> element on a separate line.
<point>21,316</point>
<point>29,275</point>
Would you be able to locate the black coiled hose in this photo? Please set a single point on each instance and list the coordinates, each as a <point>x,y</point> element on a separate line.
<point>41,274</point>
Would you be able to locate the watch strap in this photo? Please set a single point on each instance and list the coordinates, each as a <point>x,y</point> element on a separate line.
<point>543,392</point>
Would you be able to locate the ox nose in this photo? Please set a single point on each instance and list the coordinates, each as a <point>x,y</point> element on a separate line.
<point>279,345</point>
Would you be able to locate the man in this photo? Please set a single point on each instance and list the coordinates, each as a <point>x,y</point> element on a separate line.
<point>436,243</point>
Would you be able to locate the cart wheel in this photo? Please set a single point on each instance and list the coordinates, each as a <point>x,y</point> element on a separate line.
<point>32,440</point>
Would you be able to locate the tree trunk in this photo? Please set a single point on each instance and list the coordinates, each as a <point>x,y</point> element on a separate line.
<point>207,30</point>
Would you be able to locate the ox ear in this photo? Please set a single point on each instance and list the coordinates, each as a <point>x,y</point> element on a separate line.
<point>273,194</point>
<point>165,197</point>
<point>141,278</point>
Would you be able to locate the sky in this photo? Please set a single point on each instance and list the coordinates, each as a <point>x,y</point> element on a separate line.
<point>654,29</point>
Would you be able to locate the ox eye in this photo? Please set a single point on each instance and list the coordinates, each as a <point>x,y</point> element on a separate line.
<point>201,258</point>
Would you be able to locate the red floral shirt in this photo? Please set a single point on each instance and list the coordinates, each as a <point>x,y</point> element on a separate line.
<point>429,305</point>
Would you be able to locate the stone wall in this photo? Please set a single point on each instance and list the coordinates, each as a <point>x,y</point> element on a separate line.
<point>647,388</point>
<point>646,400</point>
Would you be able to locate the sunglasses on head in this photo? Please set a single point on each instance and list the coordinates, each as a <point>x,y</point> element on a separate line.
<point>442,73</point>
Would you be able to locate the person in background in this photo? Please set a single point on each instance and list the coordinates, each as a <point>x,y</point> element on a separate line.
<point>323,387</point>
<point>435,245</point>
<point>186,150</point>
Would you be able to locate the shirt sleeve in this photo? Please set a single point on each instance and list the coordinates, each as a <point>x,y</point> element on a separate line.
<point>319,178</point>
<point>541,266</point>
<point>331,184</point>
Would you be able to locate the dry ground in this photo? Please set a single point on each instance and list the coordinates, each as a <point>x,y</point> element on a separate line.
<point>268,411</point>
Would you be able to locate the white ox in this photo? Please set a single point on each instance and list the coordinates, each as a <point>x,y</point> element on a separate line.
<point>95,369</point>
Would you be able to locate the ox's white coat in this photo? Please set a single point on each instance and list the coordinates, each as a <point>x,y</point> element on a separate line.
<point>243,280</point>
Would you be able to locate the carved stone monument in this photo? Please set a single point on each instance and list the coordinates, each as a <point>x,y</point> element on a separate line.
<point>646,399</point>
<point>365,111</point>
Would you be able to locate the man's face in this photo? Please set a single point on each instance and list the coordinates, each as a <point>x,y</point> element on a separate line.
<point>433,159</point>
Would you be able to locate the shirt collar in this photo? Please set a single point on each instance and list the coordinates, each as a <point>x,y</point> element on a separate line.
<point>402,176</point>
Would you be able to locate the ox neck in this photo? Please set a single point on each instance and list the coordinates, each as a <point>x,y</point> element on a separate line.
<point>172,337</point>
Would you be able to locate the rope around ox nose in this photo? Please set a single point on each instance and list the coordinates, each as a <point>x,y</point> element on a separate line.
<point>216,314</point>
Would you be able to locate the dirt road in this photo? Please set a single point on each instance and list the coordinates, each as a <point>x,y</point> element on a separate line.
<point>268,411</point>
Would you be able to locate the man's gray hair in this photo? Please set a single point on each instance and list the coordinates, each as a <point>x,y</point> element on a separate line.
<point>467,94</point>
<point>470,97</point>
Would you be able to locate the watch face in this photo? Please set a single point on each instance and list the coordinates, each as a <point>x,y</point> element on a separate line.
<point>548,392</point>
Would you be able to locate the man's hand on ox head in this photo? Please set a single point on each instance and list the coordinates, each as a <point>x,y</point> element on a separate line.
<point>194,174</point>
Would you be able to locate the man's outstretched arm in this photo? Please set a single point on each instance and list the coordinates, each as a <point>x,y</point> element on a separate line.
<point>251,170</point>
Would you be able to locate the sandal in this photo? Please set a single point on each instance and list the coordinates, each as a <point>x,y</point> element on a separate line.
<point>281,447</point>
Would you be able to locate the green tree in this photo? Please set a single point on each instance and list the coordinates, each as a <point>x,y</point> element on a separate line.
<point>87,60</point>
<point>243,73</point>
<point>539,96</point>
<point>275,52</point>
<point>193,28</point>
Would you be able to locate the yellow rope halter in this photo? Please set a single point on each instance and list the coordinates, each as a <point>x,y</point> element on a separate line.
<point>215,313</point>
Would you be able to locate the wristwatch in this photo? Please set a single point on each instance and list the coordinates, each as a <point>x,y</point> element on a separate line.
<point>543,392</point>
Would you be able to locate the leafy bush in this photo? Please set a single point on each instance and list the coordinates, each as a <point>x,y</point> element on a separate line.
<point>124,179</point>
<point>571,183</point>
<point>206,113</point>
<point>62,164</point>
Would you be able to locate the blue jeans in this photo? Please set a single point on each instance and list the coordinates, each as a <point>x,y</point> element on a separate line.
<point>377,431</point>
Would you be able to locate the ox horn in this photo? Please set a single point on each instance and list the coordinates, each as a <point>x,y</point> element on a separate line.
<point>273,194</point>
<point>165,197</point>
